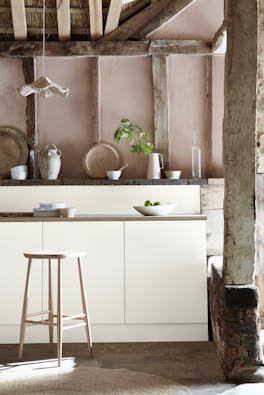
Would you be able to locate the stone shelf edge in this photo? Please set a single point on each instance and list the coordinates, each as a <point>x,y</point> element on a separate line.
<point>98,182</point>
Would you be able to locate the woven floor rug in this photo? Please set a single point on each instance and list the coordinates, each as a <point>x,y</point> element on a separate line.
<point>45,378</point>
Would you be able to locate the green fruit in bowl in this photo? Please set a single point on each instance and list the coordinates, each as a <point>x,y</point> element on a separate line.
<point>156,204</point>
<point>148,203</point>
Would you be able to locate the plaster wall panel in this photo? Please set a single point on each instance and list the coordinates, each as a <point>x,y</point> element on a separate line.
<point>218,115</point>
<point>13,105</point>
<point>126,92</point>
<point>66,122</point>
<point>200,20</point>
<point>186,90</point>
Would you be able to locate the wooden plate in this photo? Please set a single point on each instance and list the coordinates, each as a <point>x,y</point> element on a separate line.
<point>13,150</point>
<point>100,158</point>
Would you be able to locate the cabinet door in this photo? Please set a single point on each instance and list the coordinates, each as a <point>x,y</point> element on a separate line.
<point>165,272</point>
<point>103,266</point>
<point>16,238</point>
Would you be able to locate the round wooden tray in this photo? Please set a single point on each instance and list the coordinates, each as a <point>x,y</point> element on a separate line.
<point>100,158</point>
<point>13,150</point>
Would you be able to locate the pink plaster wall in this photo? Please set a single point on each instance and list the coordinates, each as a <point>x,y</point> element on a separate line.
<point>186,109</point>
<point>199,21</point>
<point>67,122</point>
<point>13,105</point>
<point>218,115</point>
<point>126,92</point>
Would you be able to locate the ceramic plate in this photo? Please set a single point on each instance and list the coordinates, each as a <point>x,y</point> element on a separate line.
<point>100,158</point>
<point>13,150</point>
<point>161,210</point>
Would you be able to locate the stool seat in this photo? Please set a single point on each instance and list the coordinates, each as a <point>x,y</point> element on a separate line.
<point>46,254</point>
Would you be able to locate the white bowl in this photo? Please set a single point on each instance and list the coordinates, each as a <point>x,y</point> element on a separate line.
<point>18,168</point>
<point>19,176</point>
<point>161,210</point>
<point>113,174</point>
<point>173,174</point>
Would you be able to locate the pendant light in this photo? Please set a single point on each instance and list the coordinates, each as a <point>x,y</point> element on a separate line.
<point>43,86</point>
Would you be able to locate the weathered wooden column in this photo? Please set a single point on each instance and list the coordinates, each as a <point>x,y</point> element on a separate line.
<point>239,141</point>
<point>259,272</point>
<point>160,94</point>
<point>233,294</point>
<point>28,65</point>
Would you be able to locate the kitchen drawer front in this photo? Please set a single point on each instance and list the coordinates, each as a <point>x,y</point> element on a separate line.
<point>16,238</point>
<point>103,266</point>
<point>165,272</point>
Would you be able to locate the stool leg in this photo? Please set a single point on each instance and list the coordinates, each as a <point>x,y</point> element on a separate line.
<point>24,312</point>
<point>50,307</point>
<point>85,310</point>
<point>59,316</point>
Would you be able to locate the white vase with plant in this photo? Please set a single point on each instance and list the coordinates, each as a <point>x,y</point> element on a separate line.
<point>138,137</point>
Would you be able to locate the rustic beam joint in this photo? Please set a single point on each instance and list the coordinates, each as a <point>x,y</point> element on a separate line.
<point>13,49</point>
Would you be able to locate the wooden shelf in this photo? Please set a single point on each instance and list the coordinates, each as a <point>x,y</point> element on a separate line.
<point>98,182</point>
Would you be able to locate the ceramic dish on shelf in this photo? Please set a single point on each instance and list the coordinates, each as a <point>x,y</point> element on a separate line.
<point>51,206</point>
<point>160,210</point>
<point>13,150</point>
<point>100,158</point>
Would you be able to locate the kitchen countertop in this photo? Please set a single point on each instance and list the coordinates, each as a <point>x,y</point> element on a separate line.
<point>28,217</point>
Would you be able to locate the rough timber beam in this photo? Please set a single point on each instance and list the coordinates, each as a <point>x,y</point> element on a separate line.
<point>12,49</point>
<point>113,16</point>
<point>172,9</point>
<point>239,141</point>
<point>19,19</point>
<point>219,37</point>
<point>160,94</point>
<point>64,19</point>
<point>96,19</point>
<point>146,17</point>
<point>28,65</point>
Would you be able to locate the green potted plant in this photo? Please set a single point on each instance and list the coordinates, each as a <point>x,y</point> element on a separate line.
<point>136,136</point>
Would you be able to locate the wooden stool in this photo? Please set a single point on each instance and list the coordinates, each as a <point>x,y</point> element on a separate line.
<point>60,318</point>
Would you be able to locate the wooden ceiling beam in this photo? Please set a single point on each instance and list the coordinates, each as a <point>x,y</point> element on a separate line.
<point>150,18</point>
<point>172,9</point>
<point>113,16</point>
<point>13,49</point>
<point>19,19</point>
<point>96,19</point>
<point>64,19</point>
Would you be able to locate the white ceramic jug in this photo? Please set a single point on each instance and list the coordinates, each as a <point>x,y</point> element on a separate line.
<point>155,164</point>
<point>50,162</point>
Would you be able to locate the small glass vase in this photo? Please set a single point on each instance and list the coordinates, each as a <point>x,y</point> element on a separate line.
<point>196,161</point>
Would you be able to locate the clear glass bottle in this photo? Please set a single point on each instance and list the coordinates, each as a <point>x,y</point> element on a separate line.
<point>196,160</point>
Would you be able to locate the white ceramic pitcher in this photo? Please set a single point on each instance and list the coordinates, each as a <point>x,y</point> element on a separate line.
<point>50,162</point>
<point>155,164</point>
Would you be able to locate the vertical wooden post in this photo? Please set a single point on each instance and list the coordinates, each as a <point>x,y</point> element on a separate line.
<point>239,141</point>
<point>28,65</point>
<point>160,92</point>
<point>96,113</point>
<point>208,116</point>
<point>260,163</point>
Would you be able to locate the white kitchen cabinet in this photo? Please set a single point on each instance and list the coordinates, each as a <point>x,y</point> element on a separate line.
<point>16,238</point>
<point>165,272</point>
<point>103,266</point>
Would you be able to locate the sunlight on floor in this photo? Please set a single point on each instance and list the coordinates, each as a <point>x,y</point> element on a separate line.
<point>36,368</point>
